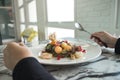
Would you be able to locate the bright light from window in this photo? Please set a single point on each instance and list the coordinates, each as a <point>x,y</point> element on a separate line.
<point>22,28</point>
<point>20,2</point>
<point>61,33</point>
<point>22,16</point>
<point>60,10</point>
<point>35,27</point>
<point>32,11</point>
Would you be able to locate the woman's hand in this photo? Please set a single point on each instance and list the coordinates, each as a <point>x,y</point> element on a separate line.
<point>14,52</point>
<point>104,37</point>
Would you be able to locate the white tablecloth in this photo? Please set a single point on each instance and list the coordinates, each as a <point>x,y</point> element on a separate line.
<point>105,67</point>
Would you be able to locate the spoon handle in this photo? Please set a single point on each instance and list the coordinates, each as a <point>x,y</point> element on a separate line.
<point>101,41</point>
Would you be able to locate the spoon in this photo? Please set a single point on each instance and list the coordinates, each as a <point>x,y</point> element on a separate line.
<point>81,28</point>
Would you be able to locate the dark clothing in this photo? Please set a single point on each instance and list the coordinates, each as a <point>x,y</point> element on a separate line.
<point>117,46</point>
<point>30,69</point>
<point>0,39</point>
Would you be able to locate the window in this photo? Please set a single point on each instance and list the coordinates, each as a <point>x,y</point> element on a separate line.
<point>42,14</point>
<point>61,33</point>
<point>20,2</point>
<point>32,11</point>
<point>22,28</point>
<point>60,13</point>
<point>22,15</point>
<point>60,10</point>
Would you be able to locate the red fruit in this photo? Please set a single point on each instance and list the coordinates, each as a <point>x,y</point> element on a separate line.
<point>79,48</point>
<point>58,57</point>
<point>66,41</point>
<point>84,51</point>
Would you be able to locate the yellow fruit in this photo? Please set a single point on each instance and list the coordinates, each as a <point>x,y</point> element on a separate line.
<point>58,49</point>
<point>64,44</point>
<point>68,48</point>
<point>54,42</point>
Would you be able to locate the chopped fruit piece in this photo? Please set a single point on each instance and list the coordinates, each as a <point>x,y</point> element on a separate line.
<point>79,48</point>
<point>46,55</point>
<point>58,49</point>
<point>58,57</point>
<point>66,41</point>
<point>54,42</point>
<point>84,51</point>
<point>72,56</point>
<point>77,54</point>
<point>64,44</point>
<point>68,48</point>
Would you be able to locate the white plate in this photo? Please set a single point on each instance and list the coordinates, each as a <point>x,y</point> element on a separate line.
<point>93,51</point>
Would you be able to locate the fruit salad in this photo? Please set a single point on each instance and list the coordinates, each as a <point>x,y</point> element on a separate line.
<point>61,49</point>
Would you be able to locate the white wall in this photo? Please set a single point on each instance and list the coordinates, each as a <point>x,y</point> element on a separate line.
<point>118,18</point>
<point>95,15</point>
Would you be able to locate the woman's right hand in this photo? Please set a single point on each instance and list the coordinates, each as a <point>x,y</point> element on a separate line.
<point>105,37</point>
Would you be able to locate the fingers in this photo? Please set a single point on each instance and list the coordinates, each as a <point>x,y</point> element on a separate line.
<point>15,44</point>
<point>101,38</point>
<point>5,50</point>
<point>21,44</point>
<point>96,34</point>
<point>6,54</point>
<point>11,46</point>
<point>98,41</point>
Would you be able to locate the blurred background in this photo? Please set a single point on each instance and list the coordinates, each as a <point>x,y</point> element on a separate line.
<point>48,16</point>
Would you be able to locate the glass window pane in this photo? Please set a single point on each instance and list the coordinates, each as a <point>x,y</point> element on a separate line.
<point>35,27</point>
<point>32,11</point>
<point>60,10</point>
<point>22,28</point>
<point>61,33</point>
<point>5,3</point>
<point>7,24</point>
<point>20,2</point>
<point>7,31</point>
<point>22,15</point>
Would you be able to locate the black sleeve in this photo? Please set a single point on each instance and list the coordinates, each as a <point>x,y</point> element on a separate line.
<point>30,69</point>
<point>117,46</point>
